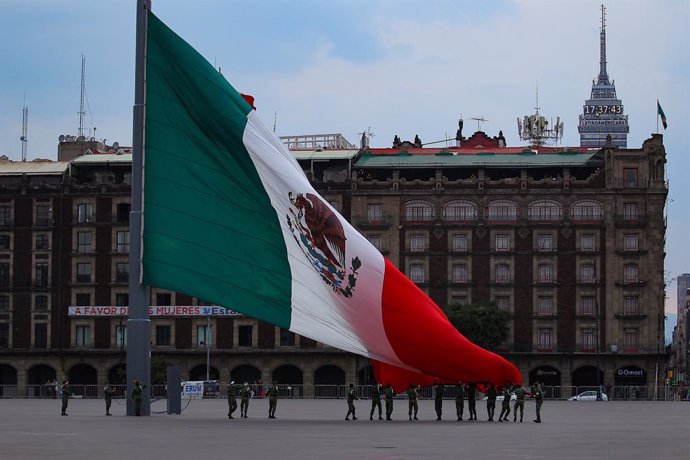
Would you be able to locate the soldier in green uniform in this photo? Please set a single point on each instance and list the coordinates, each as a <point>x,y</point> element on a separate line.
<point>459,400</point>
<point>439,389</point>
<point>491,401</point>
<point>505,407</point>
<point>272,400</point>
<point>245,394</point>
<point>137,393</point>
<point>412,401</point>
<point>472,401</point>
<point>351,396</point>
<point>375,401</point>
<point>539,399</point>
<point>64,389</point>
<point>388,392</point>
<point>232,402</point>
<point>519,402</point>
<point>108,395</point>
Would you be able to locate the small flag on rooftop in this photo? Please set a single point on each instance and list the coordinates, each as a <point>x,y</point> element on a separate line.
<point>661,114</point>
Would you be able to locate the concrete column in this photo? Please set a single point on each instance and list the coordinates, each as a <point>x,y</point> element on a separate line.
<point>308,378</point>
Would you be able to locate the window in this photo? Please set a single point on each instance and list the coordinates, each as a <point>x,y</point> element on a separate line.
<point>41,303</point>
<point>4,274</point>
<point>587,305</point>
<point>287,338</point>
<point>587,242</point>
<point>41,274</point>
<point>545,211</point>
<point>374,212</point>
<point>459,211</point>
<point>4,242</point>
<point>631,305</point>
<point>83,300</point>
<point>545,306</point>
<point>545,273</point>
<point>630,211</point>
<point>122,272</point>
<point>460,274</point>
<point>417,273</point>
<point>164,298</point>
<point>4,303</point>
<point>120,336</point>
<point>163,336</point>
<point>502,242</point>
<point>4,335</point>
<point>502,210</point>
<point>245,336</point>
<point>42,242</point>
<point>460,243</point>
<point>5,216</point>
<point>43,215</point>
<point>334,204</point>
<point>83,336</point>
<point>84,242</point>
<point>630,340</point>
<point>417,243</point>
<point>40,335</point>
<point>545,242</point>
<point>375,241</point>
<point>418,211</point>
<point>629,177</point>
<point>502,302</point>
<point>587,339</point>
<point>630,243</point>
<point>122,242</point>
<point>83,272</point>
<point>122,300</point>
<point>85,213</point>
<point>586,210</point>
<point>544,339</point>
<point>502,273</point>
<point>630,273</point>
<point>458,299</point>
<point>204,336</point>
<point>123,210</point>
<point>587,273</point>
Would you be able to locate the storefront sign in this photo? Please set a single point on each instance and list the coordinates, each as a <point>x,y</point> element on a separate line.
<point>195,310</point>
<point>630,372</point>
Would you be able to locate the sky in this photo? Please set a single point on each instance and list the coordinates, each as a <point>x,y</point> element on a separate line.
<point>391,67</point>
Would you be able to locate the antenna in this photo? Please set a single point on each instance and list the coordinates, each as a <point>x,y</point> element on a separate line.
<point>479,121</point>
<point>80,132</point>
<point>25,128</point>
<point>366,135</point>
<point>535,128</point>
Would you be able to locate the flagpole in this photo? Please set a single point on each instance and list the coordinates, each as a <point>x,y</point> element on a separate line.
<point>657,116</point>
<point>139,323</point>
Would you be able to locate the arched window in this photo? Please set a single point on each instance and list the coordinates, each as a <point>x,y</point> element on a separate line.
<point>459,211</point>
<point>586,210</point>
<point>417,273</point>
<point>545,210</point>
<point>459,274</point>
<point>418,211</point>
<point>545,273</point>
<point>502,210</point>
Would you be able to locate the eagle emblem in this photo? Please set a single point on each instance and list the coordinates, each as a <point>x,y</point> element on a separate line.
<point>320,235</point>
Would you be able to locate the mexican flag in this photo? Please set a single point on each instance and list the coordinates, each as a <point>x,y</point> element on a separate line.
<point>230,218</point>
<point>660,112</point>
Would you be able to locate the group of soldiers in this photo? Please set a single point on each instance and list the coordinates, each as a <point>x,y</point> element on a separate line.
<point>246,394</point>
<point>137,394</point>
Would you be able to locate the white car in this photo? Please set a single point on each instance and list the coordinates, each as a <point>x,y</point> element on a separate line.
<point>588,396</point>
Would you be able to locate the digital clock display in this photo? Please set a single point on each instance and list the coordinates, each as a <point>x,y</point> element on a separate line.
<point>603,109</point>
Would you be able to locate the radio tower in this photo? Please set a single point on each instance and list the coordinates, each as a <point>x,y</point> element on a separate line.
<point>25,129</point>
<point>80,132</point>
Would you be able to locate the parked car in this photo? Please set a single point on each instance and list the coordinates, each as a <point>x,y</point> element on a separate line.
<point>588,396</point>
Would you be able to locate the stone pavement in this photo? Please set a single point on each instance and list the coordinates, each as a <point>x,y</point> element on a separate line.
<point>313,429</point>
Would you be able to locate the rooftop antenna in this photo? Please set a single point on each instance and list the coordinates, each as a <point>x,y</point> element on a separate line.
<point>603,75</point>
<point>25,129</point>
<point>366,135</point>
<point>535,128</point>
<point>479,120</point>
<point>80,132</point>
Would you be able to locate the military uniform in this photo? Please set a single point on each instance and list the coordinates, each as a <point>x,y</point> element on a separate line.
<point>491,402</point>
<point>519,403</point>
<point>351,396</point>
<point>137,393</point>
<point>438,400</point>
<point>272,400</point>
<point>412,401</point>
<point>375,401</point>
<point>472,402</point>
<point>64,389</point>
<point>245,394</point>
<point>505,407</point>
<point>108,395</point>
<point>232,401</point>
<point>539,399</point>
<point>389,401</point>
<point>459,401</point>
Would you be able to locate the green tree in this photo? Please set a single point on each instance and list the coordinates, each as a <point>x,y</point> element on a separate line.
<point>483,323</point>
<point>159,370</point>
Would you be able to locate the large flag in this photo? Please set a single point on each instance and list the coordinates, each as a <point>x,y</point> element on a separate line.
<point>660,112</point>
<point>230,218</point>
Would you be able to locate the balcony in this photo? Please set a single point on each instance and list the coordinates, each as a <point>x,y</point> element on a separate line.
<point>631,315</point>
<point>631,252</point>
<point>630,221</point>
<point>631,283</point>
<point>382,223</point>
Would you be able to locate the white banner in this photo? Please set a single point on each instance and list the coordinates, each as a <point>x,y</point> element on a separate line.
<point>194,310</point>
<point>193,390</point>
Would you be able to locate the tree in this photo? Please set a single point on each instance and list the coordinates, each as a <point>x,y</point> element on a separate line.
<point>483,323</point>
<point>159,370</point>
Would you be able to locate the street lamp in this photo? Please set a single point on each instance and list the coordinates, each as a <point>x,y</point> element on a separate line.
<point>598,338</point>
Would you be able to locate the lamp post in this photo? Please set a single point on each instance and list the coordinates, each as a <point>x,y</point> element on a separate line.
<point>208,347</point>
<point>598,339</point>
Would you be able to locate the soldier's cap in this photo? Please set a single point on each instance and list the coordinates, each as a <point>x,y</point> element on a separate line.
<point>232,382</point>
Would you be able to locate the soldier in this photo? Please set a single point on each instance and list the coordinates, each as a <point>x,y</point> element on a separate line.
<point>375,401</point>
<point>505,407</point>
<point>438,399</point>
<point>232,402</point>
<point>245,394</point>
<point>351,396</point>
<point>539,399</point>
<point>137,393</point>
<point>389,401</point>
<point>519,402</point>
<point>472,401</point>
<point>491,401</point>
<point>64,389</point>
<point>272,399</point>
<point>412,400</point>
<point>108,395</point>
<point>459,400</point>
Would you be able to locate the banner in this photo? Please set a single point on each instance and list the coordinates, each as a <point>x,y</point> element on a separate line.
<point>177,310</point>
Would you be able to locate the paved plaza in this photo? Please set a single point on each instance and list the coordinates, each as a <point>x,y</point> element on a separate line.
<point>314,429</point>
